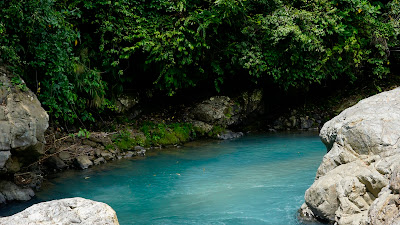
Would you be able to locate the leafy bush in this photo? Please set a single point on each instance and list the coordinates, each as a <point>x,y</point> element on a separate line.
<point>38,41</point>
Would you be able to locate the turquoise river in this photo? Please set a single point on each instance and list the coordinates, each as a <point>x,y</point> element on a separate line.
<point>257,179</point>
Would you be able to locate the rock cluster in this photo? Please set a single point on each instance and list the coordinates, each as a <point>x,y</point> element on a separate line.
<point>358,181</point>
<point>65,211</point>
<point>83,153</point>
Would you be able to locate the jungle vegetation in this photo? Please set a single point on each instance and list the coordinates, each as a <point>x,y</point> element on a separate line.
<point>77,55</point>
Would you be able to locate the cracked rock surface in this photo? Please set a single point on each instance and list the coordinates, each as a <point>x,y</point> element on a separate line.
<point>358,179</point>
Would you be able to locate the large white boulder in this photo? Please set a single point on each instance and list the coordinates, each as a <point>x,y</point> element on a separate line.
<point>65,211</point>
<point>363,153</point>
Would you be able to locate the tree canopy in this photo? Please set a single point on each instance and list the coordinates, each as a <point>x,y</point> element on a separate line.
<point>79,54</point>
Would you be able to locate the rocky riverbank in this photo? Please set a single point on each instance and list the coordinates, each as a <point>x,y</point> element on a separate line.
<point>358,179</point>
<point>28,151</point>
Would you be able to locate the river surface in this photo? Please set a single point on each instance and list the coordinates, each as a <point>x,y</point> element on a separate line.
<point>257,179</point>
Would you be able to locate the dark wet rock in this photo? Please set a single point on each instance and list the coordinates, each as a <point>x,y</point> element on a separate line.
<point>55,162</point>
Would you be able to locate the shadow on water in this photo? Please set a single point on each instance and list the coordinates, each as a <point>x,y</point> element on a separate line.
<point>257,179</point>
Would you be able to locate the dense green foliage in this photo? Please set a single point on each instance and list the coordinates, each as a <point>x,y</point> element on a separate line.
<point>73,52</point>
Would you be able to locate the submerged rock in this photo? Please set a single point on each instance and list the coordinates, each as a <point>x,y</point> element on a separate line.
<point>358,179</point>
<point>65,211</point>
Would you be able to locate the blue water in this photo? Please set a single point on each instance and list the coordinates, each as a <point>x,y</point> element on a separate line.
<point>257,179</point>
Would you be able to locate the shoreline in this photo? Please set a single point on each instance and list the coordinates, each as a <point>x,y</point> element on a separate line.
<point>150,152</point>
<point>192,152</point>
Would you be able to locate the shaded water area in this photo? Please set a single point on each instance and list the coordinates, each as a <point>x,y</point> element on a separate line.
<point>257,179</point>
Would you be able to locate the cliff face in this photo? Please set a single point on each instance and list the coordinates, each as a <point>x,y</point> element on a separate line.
<point>358,179</point>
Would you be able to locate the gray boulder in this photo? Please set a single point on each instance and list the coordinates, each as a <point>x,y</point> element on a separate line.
<point>358,179</point>
<point>11,192</point>
<point>83,162</point>
<point>65,211</point>
<point>22,119</point>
